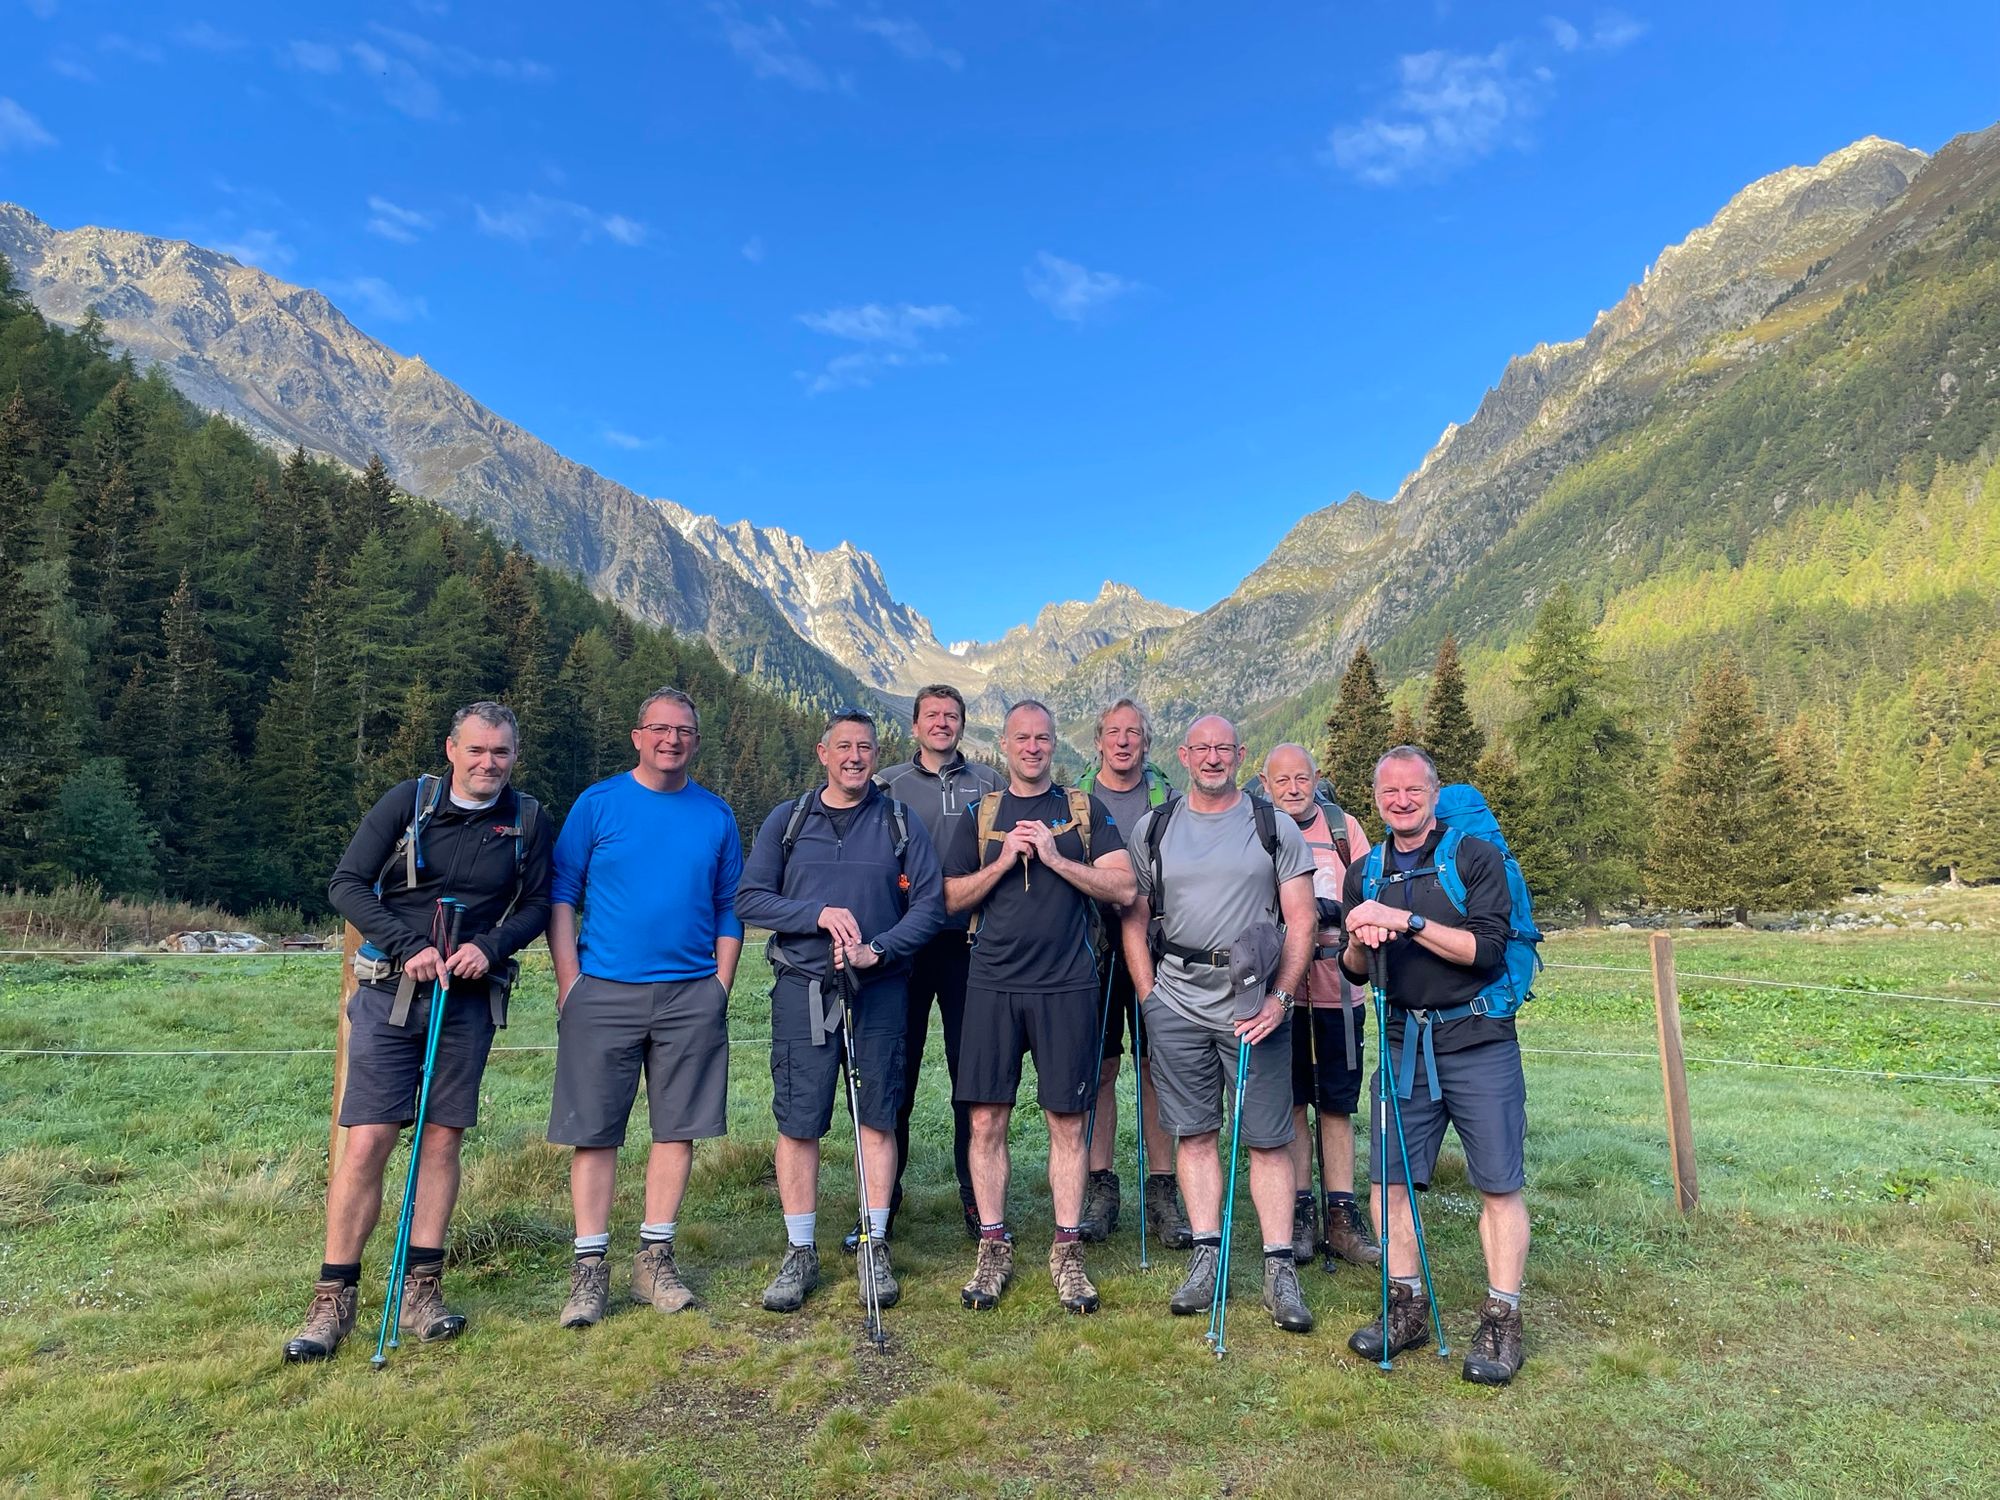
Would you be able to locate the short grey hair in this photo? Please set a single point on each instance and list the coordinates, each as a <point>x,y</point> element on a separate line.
<point>669,695</point>
<point>1145,722</point>
<point>487,712</point>
<point>1037,705</point>
<point>849,716</point>
<point>1410,752</point>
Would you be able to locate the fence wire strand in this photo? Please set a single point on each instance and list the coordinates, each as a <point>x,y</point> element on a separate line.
<point>1783,984</point>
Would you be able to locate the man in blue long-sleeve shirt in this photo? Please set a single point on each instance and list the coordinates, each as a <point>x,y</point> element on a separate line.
<point>845,879</point>
<point>651,861</point>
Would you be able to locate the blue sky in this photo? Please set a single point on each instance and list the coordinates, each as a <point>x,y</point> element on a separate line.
<point>1018,296</point>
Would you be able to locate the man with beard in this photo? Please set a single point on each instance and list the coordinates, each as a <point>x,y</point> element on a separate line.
<point>1028,864</point>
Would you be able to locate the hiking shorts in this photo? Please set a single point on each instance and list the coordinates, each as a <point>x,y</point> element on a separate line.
<point>385,1064</point>
<point>1121,1008</point>
<point>606,1033</point>
<point>1058,1028</point>
<point>805,1078</point>
<point>1194,1073</point>
<point>1321,1078</point>
<point>1485,1100</point>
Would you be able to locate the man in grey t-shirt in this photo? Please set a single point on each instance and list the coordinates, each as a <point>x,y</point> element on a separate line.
<point>1225,862</point>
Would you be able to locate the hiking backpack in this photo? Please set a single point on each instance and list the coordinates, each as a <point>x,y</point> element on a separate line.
<point>1266,815</point>
<point>988,813</point>
<point>899,817</point>
<point>1336,815</point>
<point>1158,788</point>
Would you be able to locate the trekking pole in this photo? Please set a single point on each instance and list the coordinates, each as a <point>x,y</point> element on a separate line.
<point>1318,1153</point>
<point>1139,1118</point>
<point>1378,969</point>
<point>871,1302</point>
<point>1219,1308</point>
<point>450,913</point>
<point>1097,1064</point>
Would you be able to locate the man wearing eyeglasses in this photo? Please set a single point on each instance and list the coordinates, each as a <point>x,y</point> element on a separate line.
<point>645,938</point>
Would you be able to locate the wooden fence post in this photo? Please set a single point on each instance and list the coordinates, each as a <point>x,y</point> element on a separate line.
<point>1673,1071</point>
<point>337,1137</point>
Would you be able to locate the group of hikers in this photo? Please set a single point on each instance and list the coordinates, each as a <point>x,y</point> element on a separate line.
<point>1229,931</point>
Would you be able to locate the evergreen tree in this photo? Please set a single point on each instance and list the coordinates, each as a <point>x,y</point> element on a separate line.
<point>1825,844</point>
<point>33,755</point>
<point>1403,728</point>
<point>1578,750</point>
<point>371,618</point>
<point>1453,739</point>
<point>1357,733</point>
<point>100,834</point>
<point>303,766</point>
<point>369,503</point>
<point>1939,828</point>
<point>422,722</point>
<point>1979,806</point>
<point>1725,822</point>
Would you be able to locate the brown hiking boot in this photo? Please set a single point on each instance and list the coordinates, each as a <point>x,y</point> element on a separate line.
<point>1496,1349</point>
<point>1166,1217</point>
<point>990,1275</point>
<point>589,1292</point>
<point>1347,1235</point>
<point>1305,1228</point>
<point>1409,1325</point>
<point>656,1278</point>
<point>329,1319</point>
<point>424,1312</point>
<point>1100,1206</point>
<point>1066,1270</point>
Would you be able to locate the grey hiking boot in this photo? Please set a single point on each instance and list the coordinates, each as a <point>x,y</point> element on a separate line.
<point>589,1292</point>
<point>1282,1298</point>
<point>990,1275</point>
<point>1347,1235</point>
<point>329,1319</point>
<point>1072,1286</point>
<point>1409,1325</point>
<point>888,1290</point>
<point>1305,1229</point>
<point>424,1312</point>
<point>796,1280</point>
<point>656,1278</point>
<point>1100,1206</point>
<point>1165,1215</point>
<point>1196,1293</point>
<point>1496,1349</point>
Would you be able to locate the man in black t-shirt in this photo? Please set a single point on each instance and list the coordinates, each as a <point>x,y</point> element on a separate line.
<point>1028,862</point>
<point>1464,1072</point>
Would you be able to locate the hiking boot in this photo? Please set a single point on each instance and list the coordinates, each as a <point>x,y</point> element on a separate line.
<point>888,1290</point>
<point>1100,1206</point>
<point>850,1242</point>
<point>796,1280</point>
<point>656,1278</point>
<point>1305,1230</point>
<point>990,1274</point>
<point>1347,1235</point>
<point>1282,1298</point>
<point>1165,1215</point>
<point>1072,1286</point>
<point>1496,1349</point>
<point>424,1312</point>
<point>1409,1325</point>
<point>589,1292</point>
<point>329,1319</point>
<point>1196,1293</point>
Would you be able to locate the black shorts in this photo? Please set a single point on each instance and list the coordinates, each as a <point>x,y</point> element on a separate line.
<point>1121,1006</point>
<point>385,1064</point>
<point>805,1078</point>
<point>1057,1028</point>
<point>1321,1077</point>
<point>1485,1100</point>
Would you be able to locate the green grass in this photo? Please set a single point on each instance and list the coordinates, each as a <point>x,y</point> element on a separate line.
<point>1824,1326</point>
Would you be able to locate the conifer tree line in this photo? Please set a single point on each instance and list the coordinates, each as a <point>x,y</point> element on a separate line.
<point>1729,815</point>
<point>212,661</point>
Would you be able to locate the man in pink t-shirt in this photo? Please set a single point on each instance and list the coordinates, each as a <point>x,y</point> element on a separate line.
<point>1328,1031</point>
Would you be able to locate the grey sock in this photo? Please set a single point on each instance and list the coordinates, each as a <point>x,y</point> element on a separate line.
<point>1415,1284</point>
<point>1512,1299</point>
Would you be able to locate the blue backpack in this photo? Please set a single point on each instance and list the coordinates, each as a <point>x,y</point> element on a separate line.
<point>1464,814</point>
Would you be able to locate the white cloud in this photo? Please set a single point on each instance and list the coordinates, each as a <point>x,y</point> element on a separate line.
<point>204,37</point>
<point>753,249</point>
<point>124,46</point>
<point>1565,35</point>
<point>909,40</point>
<point>263,248</point>
<point>1451,108</point>
<point>403,85</point>
<point>1070,291</point>
<point>19,130</point>
<point>314,57</point>
<point>625,440</point>
<point>41,10</point>
<point>376,299</point>
<point>458,61</point>
<point>526,217</point>
<point>1610,31</point>
<point>401,67</point>
<point>893,335</point>
<point>64,65</point>
<point>767,48</point>
<point>394,222</point>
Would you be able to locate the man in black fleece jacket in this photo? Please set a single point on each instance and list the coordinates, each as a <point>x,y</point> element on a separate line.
<point>483,843</point>
<point>839,897</point>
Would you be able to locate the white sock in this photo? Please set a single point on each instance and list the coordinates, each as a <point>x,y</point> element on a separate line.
<point>799,1228</point>
<point>593,1244</point>
<point>652,1234</point>
<point>878,1223</point>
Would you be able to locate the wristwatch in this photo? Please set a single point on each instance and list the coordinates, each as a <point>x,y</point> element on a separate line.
<point>1284,998</point>
<point>875,947</point>
<point>1417,923</point>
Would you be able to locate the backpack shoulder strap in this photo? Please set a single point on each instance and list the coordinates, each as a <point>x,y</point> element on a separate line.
<point>1157,787</point>
<point>899,818</point>
<point>984,819</point>
<point>1449,880</point>
<point>801,809</point>
<point>1371,874</point>
<point>1079,814</point>
<point>410,846</point>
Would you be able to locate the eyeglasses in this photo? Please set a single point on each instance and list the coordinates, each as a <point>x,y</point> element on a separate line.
<point>1202,752</point>
<point>670,731</point>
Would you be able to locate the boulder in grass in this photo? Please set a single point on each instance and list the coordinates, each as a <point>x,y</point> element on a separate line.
<point>213,942</point>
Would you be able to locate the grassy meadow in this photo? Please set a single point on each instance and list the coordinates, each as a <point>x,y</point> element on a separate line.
<point>1825,1325</point>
